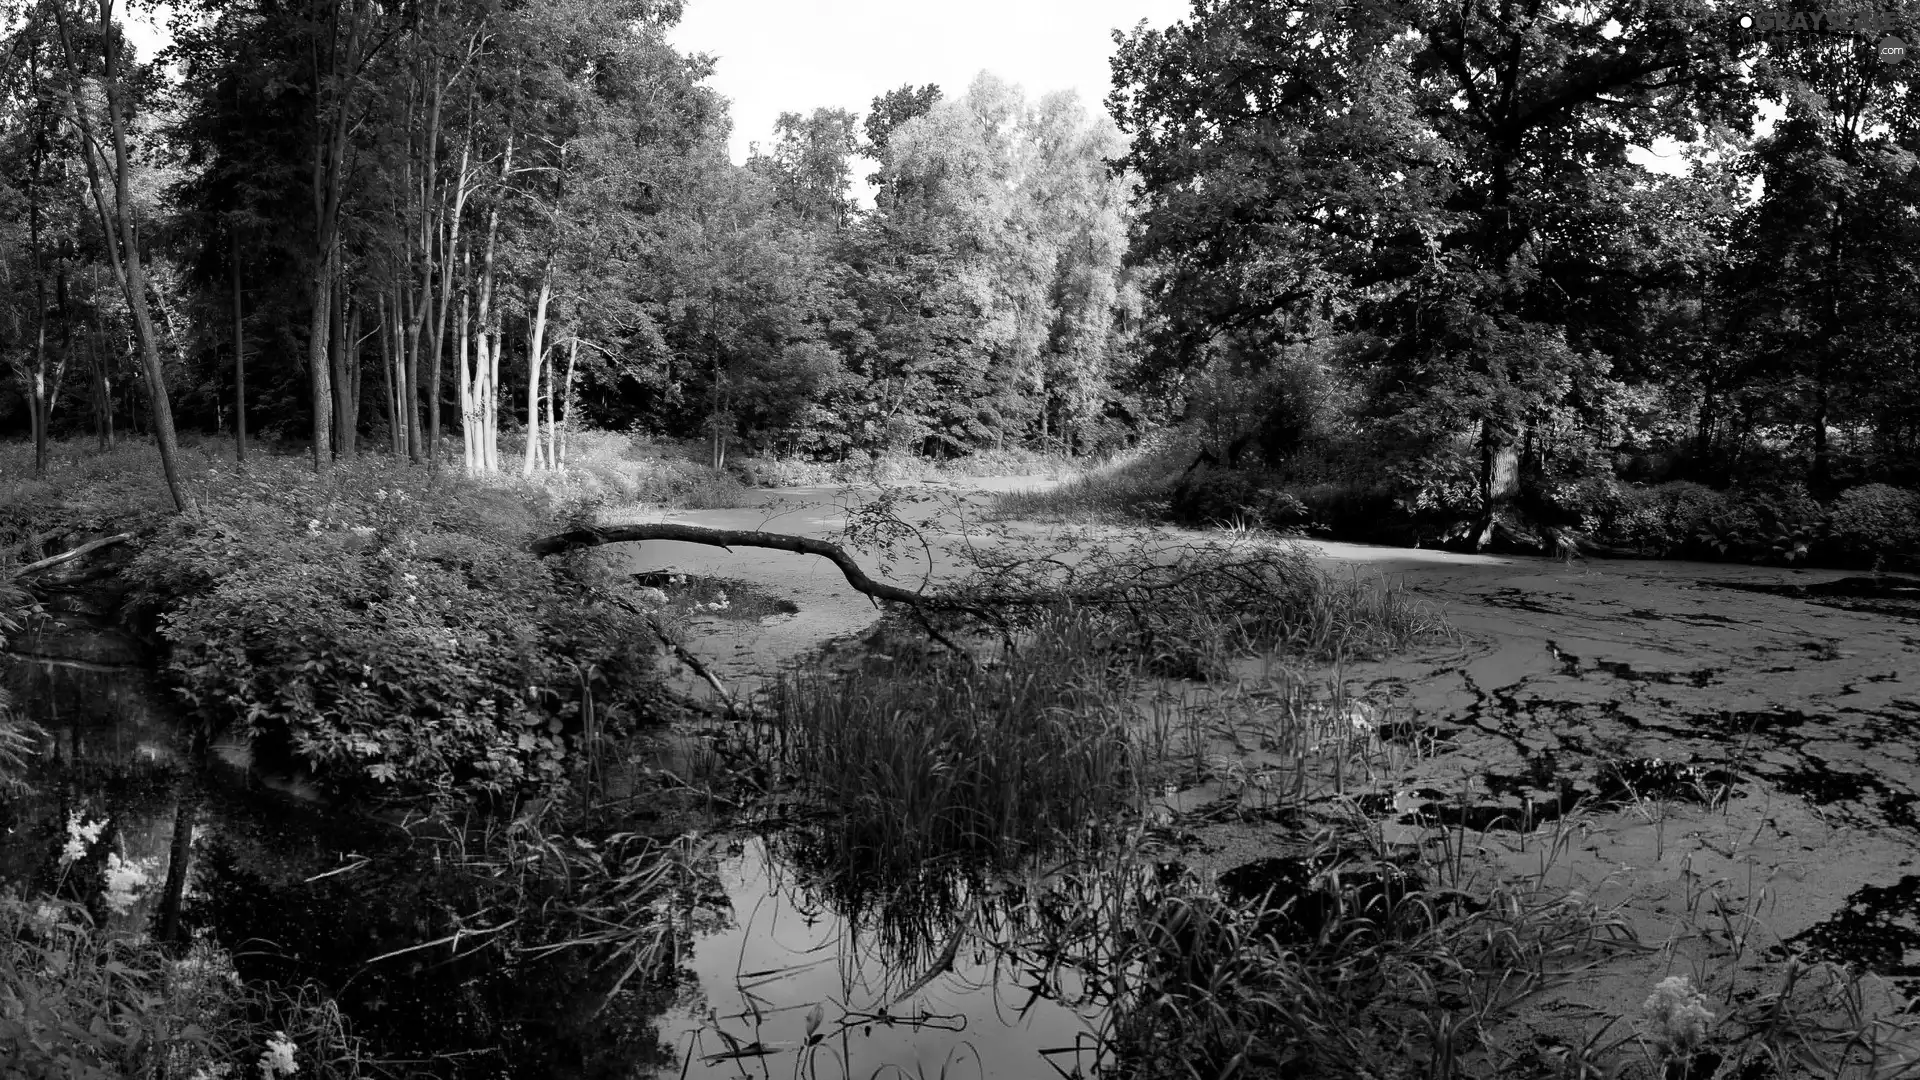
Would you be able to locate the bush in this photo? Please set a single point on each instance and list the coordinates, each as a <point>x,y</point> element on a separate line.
<point>1666,519</point>
<point>1877,519</point>
<point>378,650</point>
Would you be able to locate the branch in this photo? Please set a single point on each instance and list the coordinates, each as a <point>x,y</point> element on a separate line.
<point>66,556</point>
<point>730,538</point>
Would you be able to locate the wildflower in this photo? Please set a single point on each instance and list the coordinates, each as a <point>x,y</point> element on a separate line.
<point>409,578</point>
<point>278,1061</point>
<point>313,525</point>
<point>1679,1013</point>
<point>125,879</point>
<point>80,836</point>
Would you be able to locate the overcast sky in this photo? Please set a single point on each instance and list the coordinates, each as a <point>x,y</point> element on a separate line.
<point>778,56</point>
<point>798,55</point>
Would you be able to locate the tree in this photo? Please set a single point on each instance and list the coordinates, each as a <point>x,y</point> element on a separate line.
<point>1387,169</point>
<point>116,213</point>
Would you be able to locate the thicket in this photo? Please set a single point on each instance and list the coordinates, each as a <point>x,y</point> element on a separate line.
<point>387,631</point>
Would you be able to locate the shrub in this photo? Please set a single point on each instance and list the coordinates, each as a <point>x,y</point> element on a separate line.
<point>387,652</point>
<point>1666,519</point>
<point>1877,519</point>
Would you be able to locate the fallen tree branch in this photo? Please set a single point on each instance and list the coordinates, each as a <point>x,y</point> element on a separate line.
<point>67,556</point>
<point>680,651</point>
<point>730,538</point>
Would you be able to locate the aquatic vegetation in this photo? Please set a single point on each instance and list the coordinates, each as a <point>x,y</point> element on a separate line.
<point>933,758</point>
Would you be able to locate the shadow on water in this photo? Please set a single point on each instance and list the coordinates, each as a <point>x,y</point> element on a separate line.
<point>1884,594</point>
<point>789,959</point>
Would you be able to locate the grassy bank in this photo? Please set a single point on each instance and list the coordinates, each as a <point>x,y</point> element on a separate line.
<point>1868,526</point>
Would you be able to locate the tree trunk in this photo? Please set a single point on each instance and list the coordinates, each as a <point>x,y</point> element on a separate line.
<point>490,402</point>
<point>536,345</point>
<point>239,362</point>
<point>320,385</point>
<point>566,405</point>
<point>464,373</point>
<point>553,418</point>
<point>389,392</point>
<point>411,319</point>
<point>355,369</point>
<point>342,382</point>
<point>123,251</point>
<point>1499,480</point>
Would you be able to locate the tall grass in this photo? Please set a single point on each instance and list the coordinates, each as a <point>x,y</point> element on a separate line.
<point>1191,607</point>
<point>934,760</point>
<point>1130,487</point>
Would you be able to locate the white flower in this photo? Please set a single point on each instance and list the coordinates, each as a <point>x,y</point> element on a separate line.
<point>125,879</point>
<point>313,525</point>
<point>278,1061</point>
<point>1679,1013</point>
<point>652,597</point>
<point>409,578</point>
<point>80,837</point>
<point>363,530</point>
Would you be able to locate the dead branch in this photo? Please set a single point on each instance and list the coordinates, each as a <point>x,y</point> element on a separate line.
<point>732,538</point>
<point>67,556</point>
<point>680,651</point>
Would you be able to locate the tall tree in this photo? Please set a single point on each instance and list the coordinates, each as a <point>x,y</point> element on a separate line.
<point>116,212</point>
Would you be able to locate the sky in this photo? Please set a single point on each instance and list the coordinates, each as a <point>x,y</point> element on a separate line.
<point>778,56</point>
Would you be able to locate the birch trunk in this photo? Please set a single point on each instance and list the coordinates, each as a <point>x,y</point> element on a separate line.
<point>536,334</point>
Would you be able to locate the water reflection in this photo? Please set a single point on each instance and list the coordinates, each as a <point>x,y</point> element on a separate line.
<point>794,960</point>
<point>954,974</point>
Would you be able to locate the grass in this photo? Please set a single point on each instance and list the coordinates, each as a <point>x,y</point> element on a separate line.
<point>1191,607</point>
<point>1131,487</point>
<point>84,1002</point>
<point>933,760</point>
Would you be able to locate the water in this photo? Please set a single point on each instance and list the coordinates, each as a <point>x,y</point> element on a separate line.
<point>945,1000</point>
<point>788,963</point>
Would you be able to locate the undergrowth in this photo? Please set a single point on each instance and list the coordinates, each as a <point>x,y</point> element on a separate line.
<point>79,1001</point>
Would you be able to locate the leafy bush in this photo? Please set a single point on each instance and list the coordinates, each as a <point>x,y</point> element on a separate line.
<point>378,650</point>
<point>1877,519</point>
<point>1665,519</point>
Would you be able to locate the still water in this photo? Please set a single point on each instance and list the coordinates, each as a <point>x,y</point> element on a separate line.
<point>791,969</point>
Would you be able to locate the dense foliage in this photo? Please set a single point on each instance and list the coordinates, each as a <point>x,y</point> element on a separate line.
<point>1405,259</point>
<point>383,645</point>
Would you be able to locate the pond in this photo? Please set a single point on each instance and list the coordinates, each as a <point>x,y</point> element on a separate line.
<point>787,960</point>
<point>1665,740</point>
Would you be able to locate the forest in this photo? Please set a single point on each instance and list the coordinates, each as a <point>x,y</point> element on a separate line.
<point>1214,582</point>
<point>1403,272</point>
